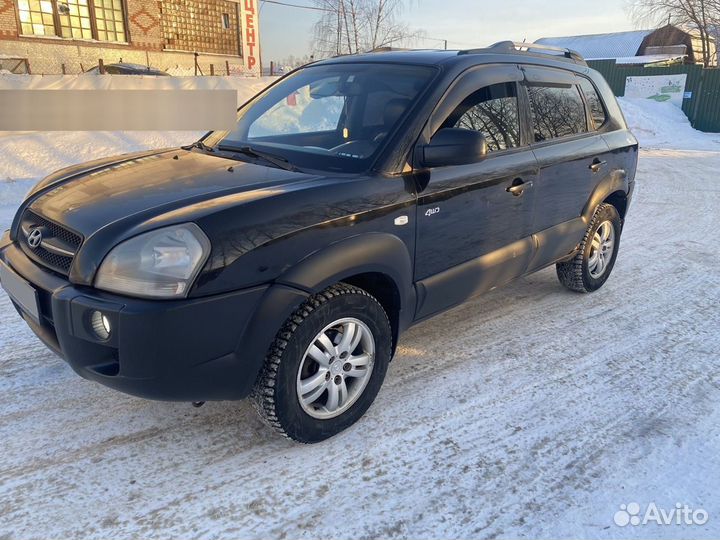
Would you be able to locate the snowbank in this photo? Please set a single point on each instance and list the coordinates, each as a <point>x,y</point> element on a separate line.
<point>662,125</point>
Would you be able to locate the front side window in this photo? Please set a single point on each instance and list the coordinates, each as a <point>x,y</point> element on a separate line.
<point>329,117</point>
<point>73,19</point>
<point>557,111</point>
<point>493,111</point>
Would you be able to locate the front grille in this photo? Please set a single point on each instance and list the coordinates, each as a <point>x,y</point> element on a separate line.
<point>56,231</point>
<point>58,247</point>
<point>53,260</point>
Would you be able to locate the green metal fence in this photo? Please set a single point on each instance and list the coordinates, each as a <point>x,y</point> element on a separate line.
<point>703,105</point>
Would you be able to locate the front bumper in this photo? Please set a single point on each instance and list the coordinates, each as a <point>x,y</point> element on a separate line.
<point>181,350</point>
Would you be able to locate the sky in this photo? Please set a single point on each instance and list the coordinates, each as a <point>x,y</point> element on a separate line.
<point>286,31</point>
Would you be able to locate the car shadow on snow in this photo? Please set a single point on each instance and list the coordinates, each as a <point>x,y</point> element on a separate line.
<point>239,422</point>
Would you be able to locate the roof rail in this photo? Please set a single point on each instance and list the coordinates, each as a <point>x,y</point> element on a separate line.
<point>387,49</point>
<point>515,46</point>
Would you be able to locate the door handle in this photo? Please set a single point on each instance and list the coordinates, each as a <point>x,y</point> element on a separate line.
<point>596,164</point>
<point>519,187</point>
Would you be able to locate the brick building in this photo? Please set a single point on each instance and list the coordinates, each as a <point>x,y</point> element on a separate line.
<point>72,35</point>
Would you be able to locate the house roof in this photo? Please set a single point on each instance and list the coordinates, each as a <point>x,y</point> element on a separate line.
<point>651,59</point>
<point>601,46</point>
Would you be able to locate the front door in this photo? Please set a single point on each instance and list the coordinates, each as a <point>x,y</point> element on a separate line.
<point>475,221</point>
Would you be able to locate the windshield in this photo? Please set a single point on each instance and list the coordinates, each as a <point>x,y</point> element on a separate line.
<point>329,117</point>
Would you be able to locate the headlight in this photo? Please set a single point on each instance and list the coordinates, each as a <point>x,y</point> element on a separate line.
<point>157,264</point>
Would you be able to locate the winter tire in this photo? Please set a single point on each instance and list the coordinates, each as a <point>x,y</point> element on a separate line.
<point>591,267</point>
<point>326,365</point>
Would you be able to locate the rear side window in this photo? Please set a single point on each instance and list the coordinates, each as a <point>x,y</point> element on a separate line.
<point>557,111</point>
<point>493,111</point>
<point>597,110</point>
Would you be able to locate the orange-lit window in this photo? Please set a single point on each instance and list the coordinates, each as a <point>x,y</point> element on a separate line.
<point>75,19</point>
<point>102,20</point>
<point>36,17</point>
<point>110,20</point>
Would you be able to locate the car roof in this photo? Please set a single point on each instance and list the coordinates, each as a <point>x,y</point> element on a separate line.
<point>129,65</point>
<point>502,52</point>
<point>395,56</point>
<point>134,67</point>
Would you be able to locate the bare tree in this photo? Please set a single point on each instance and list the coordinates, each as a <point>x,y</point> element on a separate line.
<point>702,16</point>
<point>714,28</point>
<point>354,26</point>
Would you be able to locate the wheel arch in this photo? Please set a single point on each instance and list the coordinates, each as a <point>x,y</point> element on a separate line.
<point>619,200</point>
<point>612,189</point>
<point>385,291</point>
<point>379,263</point>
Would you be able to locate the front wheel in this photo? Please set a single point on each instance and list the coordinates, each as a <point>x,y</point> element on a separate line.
<point>591,267</point>
<point>326,365</point>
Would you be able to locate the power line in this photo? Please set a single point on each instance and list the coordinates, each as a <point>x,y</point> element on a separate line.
<point>314,8</point>
<point>330,10</point>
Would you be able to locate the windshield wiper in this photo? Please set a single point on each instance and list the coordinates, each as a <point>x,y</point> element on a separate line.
<point>198,144</point>
<point>274,159</point>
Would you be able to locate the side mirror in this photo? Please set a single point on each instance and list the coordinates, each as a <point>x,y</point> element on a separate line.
<point>454,146</point>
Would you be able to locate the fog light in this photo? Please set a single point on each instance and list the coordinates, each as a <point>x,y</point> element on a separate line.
<point>100,325</point>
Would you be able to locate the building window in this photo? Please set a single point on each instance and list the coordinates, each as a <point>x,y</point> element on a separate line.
<point>110,20</point>
<point>36,17</point>
<point>226,21</point>
<point>75,19</point>
<point>103,20</point>
<point>192,25</point>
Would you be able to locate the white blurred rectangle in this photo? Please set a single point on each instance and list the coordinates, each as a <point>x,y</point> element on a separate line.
<point>117,110</point>
<point>657,87</point>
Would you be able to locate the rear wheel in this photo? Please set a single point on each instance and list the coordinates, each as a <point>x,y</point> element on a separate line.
<point>326,365</point>
<point>591,267</point>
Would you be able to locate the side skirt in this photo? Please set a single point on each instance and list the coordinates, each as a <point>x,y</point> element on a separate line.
<point>455,285</point>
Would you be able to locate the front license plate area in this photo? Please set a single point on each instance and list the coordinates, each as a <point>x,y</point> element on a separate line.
<point>20,291</point>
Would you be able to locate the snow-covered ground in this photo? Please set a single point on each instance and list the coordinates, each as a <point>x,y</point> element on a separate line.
<point>527,412</point>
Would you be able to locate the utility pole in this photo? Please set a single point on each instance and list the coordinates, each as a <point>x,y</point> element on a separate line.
<point>339,31</point>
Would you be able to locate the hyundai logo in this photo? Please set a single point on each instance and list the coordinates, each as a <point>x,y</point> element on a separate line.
<point>34,238</point>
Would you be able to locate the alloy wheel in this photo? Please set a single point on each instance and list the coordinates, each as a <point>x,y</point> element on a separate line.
<point>601,249</point>
<point>336,368</point>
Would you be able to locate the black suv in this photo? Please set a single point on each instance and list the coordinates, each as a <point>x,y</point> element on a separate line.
<point>355,197</point>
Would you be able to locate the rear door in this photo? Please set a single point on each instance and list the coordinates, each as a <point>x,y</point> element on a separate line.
<point>571,155</point>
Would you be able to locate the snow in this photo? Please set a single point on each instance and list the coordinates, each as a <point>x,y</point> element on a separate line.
<point>527,412</point>
<point>663,125</point>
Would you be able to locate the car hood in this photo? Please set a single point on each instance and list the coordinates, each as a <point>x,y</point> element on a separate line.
<point>146,185</point>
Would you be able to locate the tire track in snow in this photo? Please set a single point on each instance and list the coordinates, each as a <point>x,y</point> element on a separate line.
<point>521,411</point>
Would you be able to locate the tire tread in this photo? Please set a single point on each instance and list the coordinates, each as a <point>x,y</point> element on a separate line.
<point>263,394</point>
<point>570,273</point>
